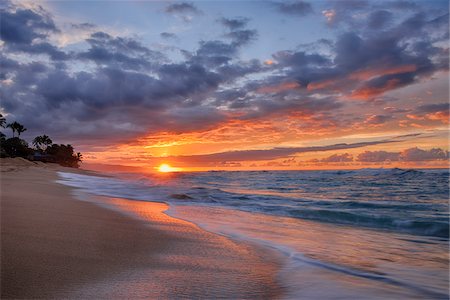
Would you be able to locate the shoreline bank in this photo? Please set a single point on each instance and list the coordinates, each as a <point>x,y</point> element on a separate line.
<point>55,246</point>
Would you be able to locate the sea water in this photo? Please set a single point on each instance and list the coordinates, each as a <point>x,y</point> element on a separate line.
<point>371,233</point>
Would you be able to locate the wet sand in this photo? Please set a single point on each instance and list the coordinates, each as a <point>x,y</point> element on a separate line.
<point>55,246</point>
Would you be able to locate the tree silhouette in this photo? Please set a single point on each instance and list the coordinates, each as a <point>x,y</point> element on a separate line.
<point>54,153</point>
<point>63,155</point>
<point>2,121</point>
<point>16,127</point>
<point>20,128</point>
<point>13,127</point>
<point>42,140</point>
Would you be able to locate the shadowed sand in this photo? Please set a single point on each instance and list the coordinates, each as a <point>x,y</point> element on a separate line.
<point>54,246</point>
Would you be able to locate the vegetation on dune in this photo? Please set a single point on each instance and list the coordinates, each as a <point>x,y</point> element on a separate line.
<point>44,150</point>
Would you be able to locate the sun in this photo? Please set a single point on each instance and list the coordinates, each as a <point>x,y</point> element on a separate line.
<point>165,168</point>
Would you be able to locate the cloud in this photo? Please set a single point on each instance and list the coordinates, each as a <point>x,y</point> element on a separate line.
<point>435,112</point>
<point>184,10</point>
<point>344,11</point>
<point>330,15</point>
<point>25,30</point>
<point>125,53</point>
<point>114,87</point>
<point>377,156</point>
<point>237,32</point>
<point>407,155</point>
<point>234,23</point>
<point>432,108</point>
<point>298,7</point>
<point>416,154</point>
<point>384,60</point>
<point>23,26</point>
<point>84,26</point>
<point>377,119</point>
<point>242,37</point>
<point>269,154</point>
<point>401,5</point>
<point>168,35</point>
<point>345,157</point>
<point>379,19</point>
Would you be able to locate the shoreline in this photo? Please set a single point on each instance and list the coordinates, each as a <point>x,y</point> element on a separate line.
<point>55,246</point>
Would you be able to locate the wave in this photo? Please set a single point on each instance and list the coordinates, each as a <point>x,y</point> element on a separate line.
<point>430,228</point>
<point>403,200</point>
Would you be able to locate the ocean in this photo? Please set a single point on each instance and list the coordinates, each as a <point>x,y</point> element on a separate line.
<point>370,233</point>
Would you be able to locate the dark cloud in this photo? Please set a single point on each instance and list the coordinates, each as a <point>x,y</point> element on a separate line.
<point>126,53</point>
<point>278,105</point>
<point>299,8</point>
<point>432,108</point>
<point>183,9</point>
<point>237,32</point>
<point>84,26</point>
<point>392,64</point>
<point>168,35</point>
<point>400,5</point>
<point>234,24</point>
<point>41,48</point>
<point>351,5</point>
<point>24,30</point>
<point>23,26</point>
<point>379,19</point>
<point>213,53</point>
<point>242,37</point>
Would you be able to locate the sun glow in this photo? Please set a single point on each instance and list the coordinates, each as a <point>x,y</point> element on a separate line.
<point>165,168</point>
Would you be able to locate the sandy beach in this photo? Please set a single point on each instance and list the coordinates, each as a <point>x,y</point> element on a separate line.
<point>55,246</point>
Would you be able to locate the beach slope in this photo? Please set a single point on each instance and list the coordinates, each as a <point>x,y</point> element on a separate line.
<point>55,246</point>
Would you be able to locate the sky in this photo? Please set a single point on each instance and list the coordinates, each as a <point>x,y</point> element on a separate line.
<point>232,85</point>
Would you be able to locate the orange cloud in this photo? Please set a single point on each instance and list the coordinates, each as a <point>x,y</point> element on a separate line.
<point>442,116</point>
<point>321,84</point>
<point>369,92</point>
<point>415,117</point>
<point>368,74</point>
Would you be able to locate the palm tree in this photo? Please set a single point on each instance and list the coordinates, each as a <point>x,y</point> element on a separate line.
<point>2,121</point>
<point>13,127</point>
<point>42,140</point>
<point>20,128</point>
<point>16,127</point>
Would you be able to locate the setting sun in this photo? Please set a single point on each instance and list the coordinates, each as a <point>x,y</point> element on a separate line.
<point>165,168</point>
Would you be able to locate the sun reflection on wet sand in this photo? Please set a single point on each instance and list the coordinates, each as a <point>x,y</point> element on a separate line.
<point>193,263</point>
<point>349,261</point>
